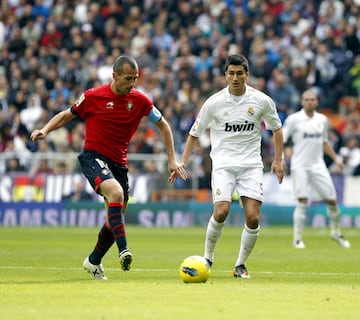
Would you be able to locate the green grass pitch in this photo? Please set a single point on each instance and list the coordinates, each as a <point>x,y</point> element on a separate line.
<point>42,276</point>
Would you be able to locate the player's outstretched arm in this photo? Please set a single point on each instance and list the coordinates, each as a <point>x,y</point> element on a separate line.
<point>54,123</point>
<point>175,169</point>
<point>189,146</point>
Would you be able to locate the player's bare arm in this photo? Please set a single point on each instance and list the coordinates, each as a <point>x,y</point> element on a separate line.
<point>191,141</point>
<point>56,122</point>
<point>277,165</point>
<point>329,150</point>
<point>189,146</point>
<point>174,168</point>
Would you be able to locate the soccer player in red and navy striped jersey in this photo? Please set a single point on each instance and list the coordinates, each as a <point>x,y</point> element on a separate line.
<point>112,113</point>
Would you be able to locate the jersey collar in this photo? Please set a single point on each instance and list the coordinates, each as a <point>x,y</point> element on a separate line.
<point>231,98</point>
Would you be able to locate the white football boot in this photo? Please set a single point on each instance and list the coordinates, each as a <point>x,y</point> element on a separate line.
<point>299,244</point>
<point>341,240</point>
<point>97,271</point>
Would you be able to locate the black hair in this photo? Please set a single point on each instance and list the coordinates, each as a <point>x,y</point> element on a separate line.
<point>237,60</point>
<point>121,61</point>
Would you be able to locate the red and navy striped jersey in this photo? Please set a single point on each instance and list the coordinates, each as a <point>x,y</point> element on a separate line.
<point>111,120</point>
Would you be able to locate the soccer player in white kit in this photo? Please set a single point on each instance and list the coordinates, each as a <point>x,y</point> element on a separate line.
<point>234,116</point>
<point>308,131</point>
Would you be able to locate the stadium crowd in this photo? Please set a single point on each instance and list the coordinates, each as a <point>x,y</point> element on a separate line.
<point>52,50</point>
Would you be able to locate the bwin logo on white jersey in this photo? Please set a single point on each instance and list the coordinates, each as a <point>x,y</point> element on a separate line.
<point>315,135</point>
<point>239,127</point>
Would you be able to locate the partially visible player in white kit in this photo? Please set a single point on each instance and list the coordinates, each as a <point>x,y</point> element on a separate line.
<point>234,116</point>
<point>308,131</point>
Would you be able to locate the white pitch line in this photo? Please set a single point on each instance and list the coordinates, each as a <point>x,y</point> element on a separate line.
<point>171,270</point>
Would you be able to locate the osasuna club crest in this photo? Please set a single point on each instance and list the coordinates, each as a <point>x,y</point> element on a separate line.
<point>105,172</point>
<point>130,105</point>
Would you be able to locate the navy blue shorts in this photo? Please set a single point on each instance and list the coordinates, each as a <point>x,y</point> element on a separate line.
<point>97,168</point>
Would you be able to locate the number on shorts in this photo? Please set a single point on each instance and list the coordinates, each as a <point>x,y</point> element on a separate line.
<point>101,163</point>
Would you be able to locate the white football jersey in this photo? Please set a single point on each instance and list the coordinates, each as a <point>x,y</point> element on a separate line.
<point>235,126</point>
<point>308,136</point>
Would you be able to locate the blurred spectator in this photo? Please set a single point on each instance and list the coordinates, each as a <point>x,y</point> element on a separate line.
<point>17,44</point>
<point>95,18</point>
<point>139,143</point>
<point>354,73</point>
<point>350,154</point>
<point>81,9</point>
<point>61,168</point>
<point>352,41</point>
<point>162,39</point>
<point>42,163</point>
<point>2,33</point>
<point>4,94</point>
<point>13,165</point>
<point>326,69</point>
<point>261,67</point>
<point>299,24</point>
<point>44,167</point>
<point>105,70</point>
<point>40,8</point>
<point>31,31</point>
<point>298,75</point>
<point>17,127</point>
<point>70,73</point>
<point>333,10</point>
<point>79,193</point>
<point>76,136</point>
<point>16,149</point>
<point>343,59</point>
<point>336,141</point>
<point>112,9</point>
<point>59,89</point>
<point>184,92</point>
<point>140,40</point>
<point>52,36</point>
<point>204,62</point>
<point>283,92</point>
<point>32,113</point>
<point>351,124</point>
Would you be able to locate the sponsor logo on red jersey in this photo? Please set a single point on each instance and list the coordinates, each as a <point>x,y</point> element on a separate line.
<point>110,105</point>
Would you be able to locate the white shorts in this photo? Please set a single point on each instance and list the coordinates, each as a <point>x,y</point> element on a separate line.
<point>315,184</point>
<point>246,181</point>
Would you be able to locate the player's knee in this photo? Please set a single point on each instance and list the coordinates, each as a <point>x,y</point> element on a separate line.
<point>302,201</point>
<point>220,217</point>
<point>221,211</point>
<point>252,221</point>
<point>112,191</point>
<point>116,195</point>
<point>331,202</point>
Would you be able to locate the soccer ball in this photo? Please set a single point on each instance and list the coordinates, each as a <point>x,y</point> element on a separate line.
<point>194,269</point>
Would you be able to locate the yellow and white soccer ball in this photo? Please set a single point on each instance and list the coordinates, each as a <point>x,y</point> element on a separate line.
<point>194,269</point>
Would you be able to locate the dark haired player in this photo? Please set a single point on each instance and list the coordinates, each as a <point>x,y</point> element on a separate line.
<point>112,113</point>
<point>234,116</point>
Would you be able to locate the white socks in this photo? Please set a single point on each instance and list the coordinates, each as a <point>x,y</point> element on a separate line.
<point>299,218</point>
<point>247,243</point>
<point>213,233</point>
<point>334,219</point>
